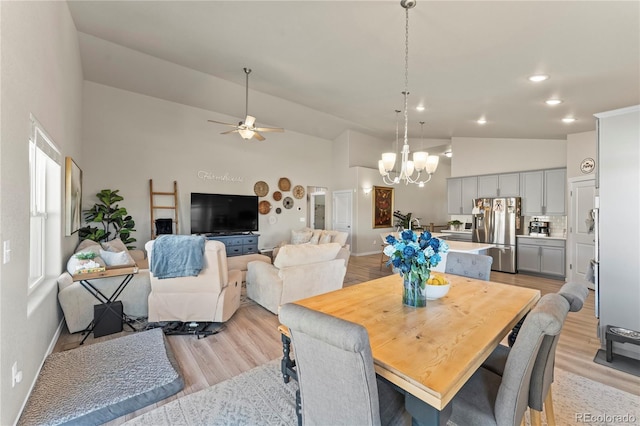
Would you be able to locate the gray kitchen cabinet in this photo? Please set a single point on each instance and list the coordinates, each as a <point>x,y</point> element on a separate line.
<point>502,185</point>
<point>543,192</point>
<point>541,256</point>
<point>460,194</point>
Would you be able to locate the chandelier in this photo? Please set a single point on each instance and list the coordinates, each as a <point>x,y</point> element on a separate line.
<point>422,161</point>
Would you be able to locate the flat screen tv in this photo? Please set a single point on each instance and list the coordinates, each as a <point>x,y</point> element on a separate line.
<point>223,213</point>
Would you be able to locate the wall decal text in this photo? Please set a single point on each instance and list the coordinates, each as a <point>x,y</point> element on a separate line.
<point>226,177</point>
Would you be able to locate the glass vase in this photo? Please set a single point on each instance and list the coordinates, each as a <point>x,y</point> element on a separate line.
<point>414,293</point>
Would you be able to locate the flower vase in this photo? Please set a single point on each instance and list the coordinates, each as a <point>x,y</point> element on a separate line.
<point>414,293</point>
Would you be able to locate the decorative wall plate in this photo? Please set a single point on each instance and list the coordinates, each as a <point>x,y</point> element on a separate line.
<point>287,202</point>
<point>298,191</point>
<point>261,188</point>
<point>273,220</point>
<point>284,184</point>
<point>264,207</point>
<point>277,195</point>
<point>278,210</point>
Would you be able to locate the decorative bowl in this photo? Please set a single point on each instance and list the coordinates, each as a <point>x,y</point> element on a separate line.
<point>437,291</point>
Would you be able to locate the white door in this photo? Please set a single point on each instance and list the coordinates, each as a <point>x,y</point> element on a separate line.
<point>342,202</point>
<point>580,238</point>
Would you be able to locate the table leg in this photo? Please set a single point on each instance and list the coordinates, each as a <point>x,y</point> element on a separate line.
<point>287,364</point>
<point>422,414</point>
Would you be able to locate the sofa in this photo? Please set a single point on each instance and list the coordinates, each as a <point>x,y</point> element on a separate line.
<point>314,237</point>
<point>211,296</point>
<point>298,271</point>
<point>77,303</point>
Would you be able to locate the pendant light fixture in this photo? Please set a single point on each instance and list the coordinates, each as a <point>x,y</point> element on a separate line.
<point>422,161</point>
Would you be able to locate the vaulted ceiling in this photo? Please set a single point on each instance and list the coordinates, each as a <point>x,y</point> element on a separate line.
<point>344,61</point>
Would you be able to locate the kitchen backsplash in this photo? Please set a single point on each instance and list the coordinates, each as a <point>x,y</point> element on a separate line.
<point>557,224</point>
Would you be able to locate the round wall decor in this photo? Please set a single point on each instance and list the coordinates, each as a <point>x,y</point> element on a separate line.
<point>587,165</point>
<point>284,184</point>
<point>278,210</point>
<point>264,207</point>
<point>277,195</point>
<point>261,188</point>
<point>298,191</point>
<point>287,202</point>
<point>273,220</point>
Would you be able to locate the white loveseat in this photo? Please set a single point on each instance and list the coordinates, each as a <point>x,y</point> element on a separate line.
<point>298,272</point>
<point>77,303</point>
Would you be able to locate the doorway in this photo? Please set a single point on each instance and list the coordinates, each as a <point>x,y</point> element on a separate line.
<point>342,202</point>
<point>581,236</point>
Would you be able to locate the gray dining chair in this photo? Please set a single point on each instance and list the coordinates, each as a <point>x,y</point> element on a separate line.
<point>469,265</point>
<point>338,384</point>
<point>490,399</point>
<point>540,394</point>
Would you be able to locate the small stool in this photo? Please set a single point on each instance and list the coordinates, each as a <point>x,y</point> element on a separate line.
<point>611,337</point>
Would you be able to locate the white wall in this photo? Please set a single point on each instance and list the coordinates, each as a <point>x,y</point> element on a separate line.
<point>479,156</point>
<point>130,138</point>
<point>579,147</point>
<point>40,74</point>
<point>619,177</point>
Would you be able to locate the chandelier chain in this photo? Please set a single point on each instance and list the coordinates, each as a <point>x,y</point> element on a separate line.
<point>406,76</point>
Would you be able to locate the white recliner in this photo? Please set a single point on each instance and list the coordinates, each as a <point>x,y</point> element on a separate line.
<point>298,272</point>
<point>212,296</point>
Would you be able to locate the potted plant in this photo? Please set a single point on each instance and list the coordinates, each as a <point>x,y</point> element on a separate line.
<point>454,225</point>
<point>114,221</point>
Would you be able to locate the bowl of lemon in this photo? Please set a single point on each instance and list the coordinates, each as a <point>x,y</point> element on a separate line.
<point>437,286</point>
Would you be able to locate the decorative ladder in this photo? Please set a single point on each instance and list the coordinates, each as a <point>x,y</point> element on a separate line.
<point>155,207</point>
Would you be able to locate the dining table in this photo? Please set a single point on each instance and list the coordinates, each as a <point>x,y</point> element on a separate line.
<point>428,352</point>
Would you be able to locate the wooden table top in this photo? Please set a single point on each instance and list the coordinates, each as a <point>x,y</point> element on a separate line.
<point>430,352</point>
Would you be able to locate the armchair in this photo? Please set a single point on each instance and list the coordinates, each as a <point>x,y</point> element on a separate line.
<point>298,272</point>
<point>212,296</point>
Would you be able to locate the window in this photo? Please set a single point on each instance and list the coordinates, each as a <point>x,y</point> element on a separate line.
<point>45,206</point>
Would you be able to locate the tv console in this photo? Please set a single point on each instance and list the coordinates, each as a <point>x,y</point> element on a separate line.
<point>237,244</point>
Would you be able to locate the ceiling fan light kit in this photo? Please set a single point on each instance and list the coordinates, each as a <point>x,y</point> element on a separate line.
<point>246,129</point>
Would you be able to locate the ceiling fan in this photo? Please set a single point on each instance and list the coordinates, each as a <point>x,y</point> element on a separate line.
<point>246,128</point>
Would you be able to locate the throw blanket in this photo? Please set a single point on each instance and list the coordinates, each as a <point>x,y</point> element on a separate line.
<point>177,256</point>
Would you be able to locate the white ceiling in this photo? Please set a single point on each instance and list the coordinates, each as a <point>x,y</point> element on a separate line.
<point>345,61</point>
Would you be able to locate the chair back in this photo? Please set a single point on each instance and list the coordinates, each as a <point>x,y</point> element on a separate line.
<point>469,265</point>
<point>542,375</point>
<point>541,325</point>
<point>335,368</point>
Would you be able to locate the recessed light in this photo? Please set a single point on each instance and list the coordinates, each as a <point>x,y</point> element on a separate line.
<point>482,121</point>
<point>553,101</point>
<point>538,78</point>
<point>568,120</point>
<point>420,108</point>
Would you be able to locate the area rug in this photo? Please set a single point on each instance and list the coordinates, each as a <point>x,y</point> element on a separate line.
<point>259,397</point>
<point>93,384</point>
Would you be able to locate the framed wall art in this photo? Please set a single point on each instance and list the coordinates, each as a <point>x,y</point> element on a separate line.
<point>382,207</point>
<point>73,196</point>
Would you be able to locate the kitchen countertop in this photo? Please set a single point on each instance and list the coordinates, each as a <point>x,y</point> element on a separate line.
<point>463,246</point>
<point>541,238</point>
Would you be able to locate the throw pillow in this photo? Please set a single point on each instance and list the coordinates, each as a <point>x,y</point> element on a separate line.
<point>84,244</point>
<point>294,255</point>
<point>325,238</point>
<point>114,245</point>
<point>315,239</point>
<point>121,258</point>
<point>301,237</point>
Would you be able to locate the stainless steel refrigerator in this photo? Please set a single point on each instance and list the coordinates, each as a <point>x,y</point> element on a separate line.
<point>497,221</point>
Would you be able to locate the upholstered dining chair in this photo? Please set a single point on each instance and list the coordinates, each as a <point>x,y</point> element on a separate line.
<point>490,399</point>
<point>469,265</point>
<point>540,394</point>
<point>338,384</point>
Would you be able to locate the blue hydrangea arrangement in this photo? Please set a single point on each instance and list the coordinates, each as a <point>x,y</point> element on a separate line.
<point>414,256</point>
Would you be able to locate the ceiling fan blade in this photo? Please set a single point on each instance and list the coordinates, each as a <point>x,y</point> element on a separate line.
<point>229,131</point>
<point>258,136</point>
<point>269,129</point>
<point>220,122</point>
<point>249,121</point>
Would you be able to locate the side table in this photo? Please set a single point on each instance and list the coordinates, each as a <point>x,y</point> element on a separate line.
<point>126,273</point>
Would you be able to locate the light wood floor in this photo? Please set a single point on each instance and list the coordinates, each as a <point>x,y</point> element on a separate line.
<point>250,338</point>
